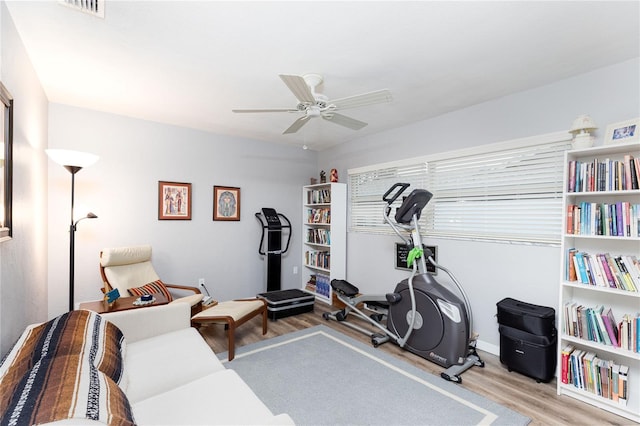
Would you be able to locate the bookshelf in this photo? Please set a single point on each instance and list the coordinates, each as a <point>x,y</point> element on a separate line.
<point>599,302</point>
<point>324,237</point>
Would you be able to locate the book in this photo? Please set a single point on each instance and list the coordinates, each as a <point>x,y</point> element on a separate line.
<point>632,270</point>
<point>627,172</point>
<point>602,331</point>
<point>564,363</point>
<point>594,333</point>
<point>580,266</point>
<point>570,213</point>
<point>622,385</point>
<point>602,260</point>
<point>624,274</point>
<point>615,371</point>
<point>598,275</point>
<point>611,327</point>
<point>571,267</point>
<point>615,271</point>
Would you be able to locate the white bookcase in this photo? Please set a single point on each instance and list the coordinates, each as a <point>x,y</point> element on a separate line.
<point>324,237</point>
<point>574,293</point>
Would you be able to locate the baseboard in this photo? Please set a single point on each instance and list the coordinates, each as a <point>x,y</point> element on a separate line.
<point>488,347</point>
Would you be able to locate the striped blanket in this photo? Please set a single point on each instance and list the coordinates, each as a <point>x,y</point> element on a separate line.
<point>69,367</point>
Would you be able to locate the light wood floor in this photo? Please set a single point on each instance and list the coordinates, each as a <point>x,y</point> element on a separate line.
<point>537,401</point>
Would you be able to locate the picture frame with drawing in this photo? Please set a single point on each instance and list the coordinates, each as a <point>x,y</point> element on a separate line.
<point>174,201</point>
<point>623,132</point>
<point>226,203</point>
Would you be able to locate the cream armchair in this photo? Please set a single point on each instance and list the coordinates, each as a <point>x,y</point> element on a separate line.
<point>130,268</point>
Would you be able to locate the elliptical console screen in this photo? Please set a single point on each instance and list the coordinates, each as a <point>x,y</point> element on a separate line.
<point>271,216</point>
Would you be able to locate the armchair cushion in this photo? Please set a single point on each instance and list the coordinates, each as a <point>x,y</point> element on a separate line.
<point>154,287</point>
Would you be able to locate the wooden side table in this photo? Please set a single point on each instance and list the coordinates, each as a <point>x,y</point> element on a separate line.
<point>121,304</point>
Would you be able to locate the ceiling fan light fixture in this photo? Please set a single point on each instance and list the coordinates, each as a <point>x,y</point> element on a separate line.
<point>313,111</point>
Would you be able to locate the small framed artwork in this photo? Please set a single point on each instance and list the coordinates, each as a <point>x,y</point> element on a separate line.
<point>623,132</point>
<point>174,201</point>
<point>226,203</point>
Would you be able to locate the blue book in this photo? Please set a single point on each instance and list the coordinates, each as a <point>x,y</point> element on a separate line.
<point>582,271</point>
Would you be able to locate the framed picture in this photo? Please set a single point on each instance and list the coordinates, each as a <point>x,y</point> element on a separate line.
<point>226,203</point>
<point>174,201</point>
<point>623,132</point>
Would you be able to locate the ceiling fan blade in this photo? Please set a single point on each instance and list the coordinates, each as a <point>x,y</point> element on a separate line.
<point>370,98</point>
<point>296,125</point>
<point>266,110</point>
<point>345,121</point>
<point>299,87</point>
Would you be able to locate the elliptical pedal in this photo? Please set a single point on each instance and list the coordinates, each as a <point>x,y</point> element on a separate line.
<point>378,339</point>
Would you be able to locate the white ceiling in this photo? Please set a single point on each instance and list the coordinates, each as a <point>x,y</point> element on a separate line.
<point>191,63</point>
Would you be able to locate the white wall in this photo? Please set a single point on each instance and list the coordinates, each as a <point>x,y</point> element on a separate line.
<point>488,271</point>
<point>122,189</point>
<point>23,259</point>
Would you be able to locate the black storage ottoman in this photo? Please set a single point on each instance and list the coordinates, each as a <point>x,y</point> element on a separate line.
<point>528,338</point>
<point>285,303</point>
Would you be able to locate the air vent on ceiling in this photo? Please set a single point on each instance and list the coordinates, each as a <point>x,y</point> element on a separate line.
<point>92,7</point>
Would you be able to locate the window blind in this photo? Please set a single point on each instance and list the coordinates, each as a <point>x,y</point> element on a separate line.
<point>510,191</point>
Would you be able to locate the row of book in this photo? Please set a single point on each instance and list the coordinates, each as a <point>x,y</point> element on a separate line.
<point>319,196</point>
<point>319,236</point>
<point>319,283</point>
<point>586,371</point>
<point>603,270</point>
<point>598,324</point>
<point>317,259</point>
<point>621,219</point>
<point>604,175</point>
<point>318,215</point>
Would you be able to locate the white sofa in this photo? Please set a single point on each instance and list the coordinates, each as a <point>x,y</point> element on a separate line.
<point>171,376</point>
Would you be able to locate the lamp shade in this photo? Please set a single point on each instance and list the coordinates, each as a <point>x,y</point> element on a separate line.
<point>582,123</point>
<point>67,157</point>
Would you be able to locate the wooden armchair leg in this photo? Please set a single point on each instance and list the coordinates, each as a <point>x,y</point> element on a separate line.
<point>231,332</point>
<point>264,321</point>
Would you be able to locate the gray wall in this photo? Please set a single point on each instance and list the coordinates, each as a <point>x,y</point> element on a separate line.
<point>23,260</point>
<point>122,189</point>
<point>488,271</point>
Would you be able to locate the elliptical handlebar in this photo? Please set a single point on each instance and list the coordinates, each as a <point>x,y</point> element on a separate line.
<point>288,225</point>
<point>401,186</point>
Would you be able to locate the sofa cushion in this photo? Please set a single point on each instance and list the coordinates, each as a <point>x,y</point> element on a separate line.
<point>65,387</point>
<point>221,398</point>
<point>166,361</point>
<point>151,288</point>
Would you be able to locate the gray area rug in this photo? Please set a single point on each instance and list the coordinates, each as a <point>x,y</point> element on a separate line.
<point>320,376</point>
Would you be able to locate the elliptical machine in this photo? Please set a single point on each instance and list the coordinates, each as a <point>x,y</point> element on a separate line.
<point>423,316</point>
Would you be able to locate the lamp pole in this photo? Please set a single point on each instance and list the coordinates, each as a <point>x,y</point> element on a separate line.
<point>66,158</point>
<point>72,238</point>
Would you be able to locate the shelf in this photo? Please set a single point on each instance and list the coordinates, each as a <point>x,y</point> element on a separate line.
<point>602,237</point>
<point>309,243</point>
<point>601,347</point>
<point>616,291</point>
<point>623,148</point>
<point>317,268</point>
<point>628,411</point>
<point>620,193</point>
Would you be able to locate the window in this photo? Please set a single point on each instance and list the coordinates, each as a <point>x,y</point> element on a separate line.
<point>510,191</point>
<point>6,163</point>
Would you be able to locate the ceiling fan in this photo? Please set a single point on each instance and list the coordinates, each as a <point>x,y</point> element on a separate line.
<point>313,104</point>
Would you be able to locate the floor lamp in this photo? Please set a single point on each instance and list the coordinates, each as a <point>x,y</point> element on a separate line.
<point>73,161</point>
